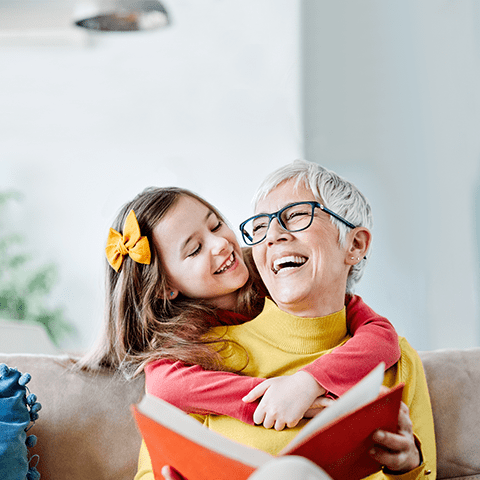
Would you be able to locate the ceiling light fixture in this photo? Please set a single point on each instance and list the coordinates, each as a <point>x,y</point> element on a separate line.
<point>125,16</point>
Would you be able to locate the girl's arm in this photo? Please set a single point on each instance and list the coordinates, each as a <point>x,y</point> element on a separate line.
<point>374,340</point>
<point>195,390</point>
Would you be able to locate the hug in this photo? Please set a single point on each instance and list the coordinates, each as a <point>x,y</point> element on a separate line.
<point>253,342</point>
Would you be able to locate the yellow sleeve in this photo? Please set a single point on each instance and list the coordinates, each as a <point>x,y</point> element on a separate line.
<point>417,399</point>
<point>145,470</point>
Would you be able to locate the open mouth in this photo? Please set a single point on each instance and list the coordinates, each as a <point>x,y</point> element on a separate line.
<point>289,262</point>
<point>227,264</point>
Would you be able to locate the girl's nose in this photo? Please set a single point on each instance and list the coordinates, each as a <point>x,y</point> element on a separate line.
<point>219,245</point>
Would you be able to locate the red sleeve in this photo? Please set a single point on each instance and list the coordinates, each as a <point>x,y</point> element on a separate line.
<point>195,390</point>
<point>374,340</point>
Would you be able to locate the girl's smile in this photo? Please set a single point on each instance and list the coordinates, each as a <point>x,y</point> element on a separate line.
<point>230,264</point>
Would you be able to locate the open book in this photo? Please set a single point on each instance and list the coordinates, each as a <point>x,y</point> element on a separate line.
<point>338,439</point>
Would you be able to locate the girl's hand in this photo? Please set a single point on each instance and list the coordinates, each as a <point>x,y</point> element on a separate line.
<point>397,451</point>
<point>284,399</point>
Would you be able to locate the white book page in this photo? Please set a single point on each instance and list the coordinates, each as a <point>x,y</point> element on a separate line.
<point>180,422</point>
<point>362,393</point>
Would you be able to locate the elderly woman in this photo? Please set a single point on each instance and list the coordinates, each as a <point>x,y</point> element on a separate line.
<point>308,257</point>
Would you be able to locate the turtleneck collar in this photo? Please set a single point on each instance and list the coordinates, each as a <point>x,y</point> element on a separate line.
<point>298,334</point>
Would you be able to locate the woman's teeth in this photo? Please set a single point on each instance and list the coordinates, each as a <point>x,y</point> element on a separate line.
<point>228,264</point>
<point>288,262</point>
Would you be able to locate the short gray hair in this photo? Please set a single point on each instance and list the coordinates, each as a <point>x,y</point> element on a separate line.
<point>334,192</point>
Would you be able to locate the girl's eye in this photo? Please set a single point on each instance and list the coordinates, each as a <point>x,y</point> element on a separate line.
<point>196,251</point>
<point>218,226</point>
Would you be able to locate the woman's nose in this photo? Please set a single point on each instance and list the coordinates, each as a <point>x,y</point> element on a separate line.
<point>275,232</point>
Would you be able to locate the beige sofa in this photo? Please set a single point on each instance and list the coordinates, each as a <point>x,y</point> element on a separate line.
<point>86,432</point>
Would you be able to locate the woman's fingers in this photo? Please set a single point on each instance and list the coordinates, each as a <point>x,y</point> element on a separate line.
<point>392,442</point>
<point>322,402</point>
<point>397,451</point>
<point>169,473</point>
<point>404,421</point>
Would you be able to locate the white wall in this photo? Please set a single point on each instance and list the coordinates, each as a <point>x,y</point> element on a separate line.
<point>385,93</point>
<point>211,103</point>
<point>392,102</point>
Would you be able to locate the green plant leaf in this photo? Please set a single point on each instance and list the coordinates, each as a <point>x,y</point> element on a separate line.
<point>54,323</point>
<point>10,195</point>
<point>17,260</point>
<point>42,281</point>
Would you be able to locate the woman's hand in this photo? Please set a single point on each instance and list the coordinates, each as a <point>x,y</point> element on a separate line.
<point>284,399</point>
<point>317,406</point>
<point>398,452</point>
<point>169,473</point>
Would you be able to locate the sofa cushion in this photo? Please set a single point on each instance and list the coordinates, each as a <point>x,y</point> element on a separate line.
<point>86,430</point>
<point>453,378</point>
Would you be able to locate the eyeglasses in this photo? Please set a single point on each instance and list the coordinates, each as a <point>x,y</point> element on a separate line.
<point>292,218</point>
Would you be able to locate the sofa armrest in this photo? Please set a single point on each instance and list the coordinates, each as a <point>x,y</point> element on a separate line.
<point>453,378</point>
<point>86,429</point>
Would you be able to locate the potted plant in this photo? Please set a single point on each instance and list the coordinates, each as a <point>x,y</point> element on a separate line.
<point>24,286</point>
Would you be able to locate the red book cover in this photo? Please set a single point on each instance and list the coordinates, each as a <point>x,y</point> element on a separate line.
<point>342,448</point>
<point>194,460</point>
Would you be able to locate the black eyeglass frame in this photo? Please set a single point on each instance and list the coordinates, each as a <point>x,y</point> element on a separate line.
<point>248,240</point>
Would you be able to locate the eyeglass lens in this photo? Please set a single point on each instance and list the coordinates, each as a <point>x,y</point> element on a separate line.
<point>293,218</point>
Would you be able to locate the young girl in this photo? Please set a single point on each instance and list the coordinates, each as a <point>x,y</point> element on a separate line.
<point>175,270</point>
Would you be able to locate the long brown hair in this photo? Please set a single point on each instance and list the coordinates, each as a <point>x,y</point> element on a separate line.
<point>141,324</point>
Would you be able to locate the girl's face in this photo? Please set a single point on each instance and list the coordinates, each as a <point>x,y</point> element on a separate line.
<point>200,253</point>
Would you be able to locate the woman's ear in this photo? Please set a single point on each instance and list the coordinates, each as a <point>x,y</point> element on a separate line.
<point>359,242</point>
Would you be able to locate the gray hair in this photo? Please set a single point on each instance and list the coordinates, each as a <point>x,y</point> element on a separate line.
<point>334,192</point>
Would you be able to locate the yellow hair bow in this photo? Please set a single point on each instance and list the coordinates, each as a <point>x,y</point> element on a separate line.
<point>131,243</point>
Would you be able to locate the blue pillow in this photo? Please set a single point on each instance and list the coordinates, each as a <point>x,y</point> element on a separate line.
<point>16,412</point>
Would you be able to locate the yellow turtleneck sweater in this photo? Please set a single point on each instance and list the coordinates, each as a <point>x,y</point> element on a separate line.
<point>277,343</point>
